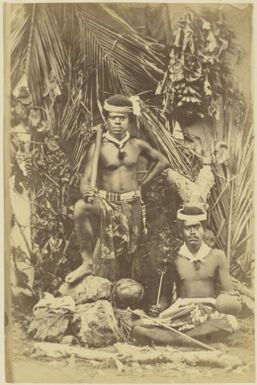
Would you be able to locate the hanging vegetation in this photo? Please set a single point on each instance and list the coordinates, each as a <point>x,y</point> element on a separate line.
<point>198,70</point>
<point>65,60</point>
<point>198,83</point>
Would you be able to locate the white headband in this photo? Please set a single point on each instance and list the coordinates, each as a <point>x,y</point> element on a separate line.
<point>191,218</point>
<point>135,108</point>
<point>108,107</point>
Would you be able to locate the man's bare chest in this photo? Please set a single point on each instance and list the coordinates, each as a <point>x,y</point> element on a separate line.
<point>188,270</point>
<point>111,157</point>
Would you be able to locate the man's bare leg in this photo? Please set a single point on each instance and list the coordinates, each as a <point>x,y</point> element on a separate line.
<point>143,335</point>
<point>85,216</point>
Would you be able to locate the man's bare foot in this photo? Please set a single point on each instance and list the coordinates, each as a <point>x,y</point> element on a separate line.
<point>80,272</point>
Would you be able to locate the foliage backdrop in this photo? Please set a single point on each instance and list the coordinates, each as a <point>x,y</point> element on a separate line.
<point>65,60</point>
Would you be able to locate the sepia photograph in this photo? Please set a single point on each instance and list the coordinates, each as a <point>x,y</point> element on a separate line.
<point>128,192</point>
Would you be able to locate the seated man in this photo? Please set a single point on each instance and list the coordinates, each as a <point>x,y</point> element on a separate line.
<point>108,219</point>
<point>199,272</point>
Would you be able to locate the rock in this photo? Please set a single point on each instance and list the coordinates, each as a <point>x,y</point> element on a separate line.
<point>51,318</point>
<point>49,325</point>
<point>50,302</point>
<point>95,324</point>
<point>90,289</point>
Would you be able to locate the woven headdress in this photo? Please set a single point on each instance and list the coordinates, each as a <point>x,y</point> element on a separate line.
<point>123,104</point>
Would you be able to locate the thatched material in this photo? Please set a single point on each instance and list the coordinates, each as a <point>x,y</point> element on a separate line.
<point>88,290</point>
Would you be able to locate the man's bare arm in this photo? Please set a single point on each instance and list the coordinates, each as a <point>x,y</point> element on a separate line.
<point>224,276</point>
<point>158,161</point>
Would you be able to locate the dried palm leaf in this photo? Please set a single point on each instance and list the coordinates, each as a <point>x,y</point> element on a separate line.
<point>232,201</point>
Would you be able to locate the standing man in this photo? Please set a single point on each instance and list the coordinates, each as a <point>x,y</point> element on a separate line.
<point>109,219</point>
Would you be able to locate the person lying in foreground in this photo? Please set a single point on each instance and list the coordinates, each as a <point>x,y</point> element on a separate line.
<point>206,304</point>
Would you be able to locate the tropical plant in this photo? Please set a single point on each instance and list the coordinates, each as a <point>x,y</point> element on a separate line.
<point>65,60</point>
<point>198,83</point>
<point>231,203</point>
<point>198,70</point>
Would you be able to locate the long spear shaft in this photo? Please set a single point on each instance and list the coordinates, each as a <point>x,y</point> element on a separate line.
<point>175,331</point>
<point>160,288</point>
<point>95,161</point>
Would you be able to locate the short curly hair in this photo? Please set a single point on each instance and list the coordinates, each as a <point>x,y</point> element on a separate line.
<point>119,101</point>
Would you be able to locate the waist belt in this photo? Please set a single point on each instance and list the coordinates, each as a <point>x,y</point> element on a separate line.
<point>116,197</point>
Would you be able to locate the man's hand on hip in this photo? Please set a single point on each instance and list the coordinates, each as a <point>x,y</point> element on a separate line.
<point>89,193</point>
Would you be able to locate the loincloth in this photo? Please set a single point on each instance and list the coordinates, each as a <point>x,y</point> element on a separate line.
<point>188,315</point>
<point>122,220</point>
<point>198,319</point>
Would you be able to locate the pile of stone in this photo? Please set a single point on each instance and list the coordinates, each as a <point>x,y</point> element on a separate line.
<point>83,313</point>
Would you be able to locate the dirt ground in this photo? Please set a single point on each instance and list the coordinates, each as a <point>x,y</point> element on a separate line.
<point>24,368</point>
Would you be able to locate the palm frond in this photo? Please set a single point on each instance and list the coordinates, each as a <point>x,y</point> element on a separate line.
<point>179,157</point>
<point>105,56</point>
<point>36,48</point>
<point>19,35</point>
<point>116,51</point>
<point>232,200</point>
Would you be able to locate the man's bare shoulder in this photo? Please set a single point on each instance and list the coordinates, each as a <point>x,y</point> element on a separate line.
<point>138,141</point>
<point>142,144</point>
<point>219,255</point>
<point>217,251</point>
